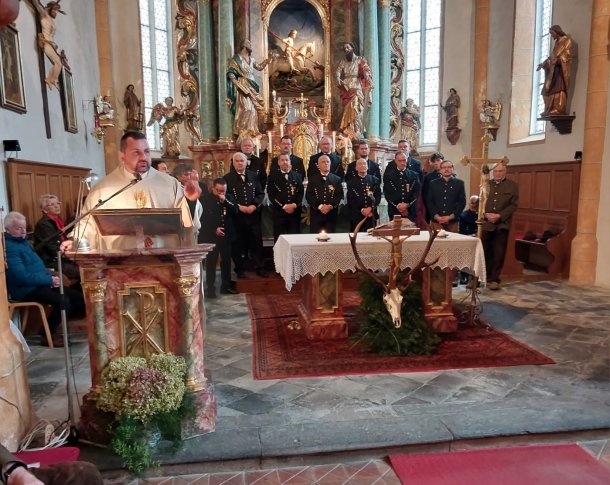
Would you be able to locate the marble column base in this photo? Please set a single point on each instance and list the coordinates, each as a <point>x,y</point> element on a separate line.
<point>204,420</point>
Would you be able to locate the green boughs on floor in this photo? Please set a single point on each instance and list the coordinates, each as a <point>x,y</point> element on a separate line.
<point>377,331</point>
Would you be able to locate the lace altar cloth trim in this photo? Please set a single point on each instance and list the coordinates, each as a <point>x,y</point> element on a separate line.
<point>297,255</point>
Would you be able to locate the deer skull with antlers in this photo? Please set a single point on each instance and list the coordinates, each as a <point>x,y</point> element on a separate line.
<point>392,289</point>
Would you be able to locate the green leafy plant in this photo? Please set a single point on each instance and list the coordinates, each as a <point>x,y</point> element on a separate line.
<point>149,402</point>
<point>377,331</point>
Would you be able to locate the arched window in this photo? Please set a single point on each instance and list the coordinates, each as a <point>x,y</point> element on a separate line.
<point>531,46</point>
<point>422,64</point>
<point>155,31</point>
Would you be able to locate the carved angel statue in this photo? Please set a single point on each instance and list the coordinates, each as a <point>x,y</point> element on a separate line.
<point>104,111</point>
<point>173,116</point>
<point>490,112</point>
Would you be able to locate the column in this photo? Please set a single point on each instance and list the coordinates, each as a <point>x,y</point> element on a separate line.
<point>583,260</point>
<point>225,52</point>
<point>385,75</point>
<point>371,53</point>
<point>95,291</point>
<point>208,106</point>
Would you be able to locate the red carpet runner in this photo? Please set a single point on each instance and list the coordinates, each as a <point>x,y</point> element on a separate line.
<point>281,350</point>
<point>525,465</point>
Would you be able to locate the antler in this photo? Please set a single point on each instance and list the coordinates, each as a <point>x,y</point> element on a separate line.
<point>421,264</point>
<point>360,266</point>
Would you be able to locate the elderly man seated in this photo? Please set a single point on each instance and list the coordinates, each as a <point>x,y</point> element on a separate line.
<point>27,278</point>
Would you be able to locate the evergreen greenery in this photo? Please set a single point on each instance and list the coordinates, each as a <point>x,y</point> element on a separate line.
<point>377,331</point>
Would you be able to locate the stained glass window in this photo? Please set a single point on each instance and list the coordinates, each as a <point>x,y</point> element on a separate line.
<point>156,59</point>
<point>542,49</point>
<point>422,64</point>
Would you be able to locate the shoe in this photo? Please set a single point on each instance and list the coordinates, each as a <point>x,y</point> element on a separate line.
<point>261,273</point>
<point>240,274</point>
<point>494,285</point>
<point>58,341</point>
<point>228,291</point>
<point>210,293</point>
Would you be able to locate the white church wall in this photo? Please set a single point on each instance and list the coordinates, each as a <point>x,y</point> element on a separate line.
<point>457,69</point>
<point>574,17</point>
<point>76,35</point>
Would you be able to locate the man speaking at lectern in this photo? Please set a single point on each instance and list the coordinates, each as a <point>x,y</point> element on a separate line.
<point>149,189</point>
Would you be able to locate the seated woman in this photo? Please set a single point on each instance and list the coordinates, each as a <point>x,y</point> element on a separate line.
<point>27,278</point>
<point>48,237</point>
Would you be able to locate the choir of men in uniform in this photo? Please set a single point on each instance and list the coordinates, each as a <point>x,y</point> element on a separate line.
<point>285,192</point>
<point>363,197</point>
<point>324,194</point>
<point>244,186</point>
<point>401,188</point>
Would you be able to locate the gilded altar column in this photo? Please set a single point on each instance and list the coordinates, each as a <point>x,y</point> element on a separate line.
<point>207,83</point>
<point>194,378</point>
<point>225,52</point>
<point>384,68</point>
<point>583,261</point>
<point>371,53</point>
<point>95,291</point>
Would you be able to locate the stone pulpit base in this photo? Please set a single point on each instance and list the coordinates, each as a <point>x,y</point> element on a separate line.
<point>142,302</point>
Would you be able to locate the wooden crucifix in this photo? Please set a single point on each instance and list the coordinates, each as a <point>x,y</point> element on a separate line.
<point>482,165</point>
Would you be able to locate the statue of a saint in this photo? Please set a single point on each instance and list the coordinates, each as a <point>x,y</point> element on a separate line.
<point>410,123</point>
<point>490,112</point>
<point>104,111</point>
<point>289,50</point>
<point>451,107</point>
<point>243,92</point>
<point>132,105</point>
<point>557,74</point>
<point>46,38</point>
<point>355,82</point>
<point>173,116</point>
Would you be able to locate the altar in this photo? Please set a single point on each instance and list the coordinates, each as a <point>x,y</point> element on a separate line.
<point>320,264</point>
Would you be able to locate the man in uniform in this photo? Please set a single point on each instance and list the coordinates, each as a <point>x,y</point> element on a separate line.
<point>253,163</point>
<point>286,149</point>
<point>372,167</point>
<point>285,191</point>
<point>446,199</point>
<point>502,202</point>
<point>324,193</point>
<point>435,172</point>
<point>245,188</point>
<point>219,209</point>
<point>363,196</point>
<point>336,166</point>
<point>401,188</point>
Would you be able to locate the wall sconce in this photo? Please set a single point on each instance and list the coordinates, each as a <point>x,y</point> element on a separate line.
<point>11,146</point>
<point>103,114</point>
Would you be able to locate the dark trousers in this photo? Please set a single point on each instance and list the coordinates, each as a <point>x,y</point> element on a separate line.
<point>494,245</point>
<point>248,246</point>
<point>286,223</point>
<point>222,249</point>
<point>369,224</point>
<point>411,212</point>
<point>74,303</point>
<point>320,221</point>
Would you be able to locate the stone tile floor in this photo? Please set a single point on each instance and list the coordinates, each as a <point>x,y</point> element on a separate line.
<point>336,430</point>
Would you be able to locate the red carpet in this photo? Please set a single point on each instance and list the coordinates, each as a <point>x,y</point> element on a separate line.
<point>281,352</point>
<point>525,465</point>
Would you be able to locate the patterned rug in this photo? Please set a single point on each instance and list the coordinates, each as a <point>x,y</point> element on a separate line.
<point>282,351</point>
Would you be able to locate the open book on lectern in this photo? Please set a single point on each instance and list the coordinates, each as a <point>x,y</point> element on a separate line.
<point>161,227</point>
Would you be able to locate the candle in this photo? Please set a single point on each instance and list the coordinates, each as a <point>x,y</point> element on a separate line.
<point>273,94</point>
<point>281,130</point>
<point>323,236</point>
<point>321,127</point>
<point>258,147</point>
<point>269,144</point>
<point>334,140</point>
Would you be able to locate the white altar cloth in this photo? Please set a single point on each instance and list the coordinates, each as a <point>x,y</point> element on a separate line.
<point>297,255</point>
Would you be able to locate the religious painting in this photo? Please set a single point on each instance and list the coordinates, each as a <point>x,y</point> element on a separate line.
<point>12,95</point>
<point>68,103</point>
<point>296,45</point>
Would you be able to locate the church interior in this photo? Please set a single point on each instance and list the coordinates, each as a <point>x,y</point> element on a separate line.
<point>467,78</point>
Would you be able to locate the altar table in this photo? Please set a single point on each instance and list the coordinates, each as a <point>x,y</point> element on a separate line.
<point>320,264</point>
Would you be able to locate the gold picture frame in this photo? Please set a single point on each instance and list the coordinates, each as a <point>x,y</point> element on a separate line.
<point>68,103</point>
<point>12,93</point>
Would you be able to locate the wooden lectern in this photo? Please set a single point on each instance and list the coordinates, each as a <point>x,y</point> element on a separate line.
<point>142,301</point>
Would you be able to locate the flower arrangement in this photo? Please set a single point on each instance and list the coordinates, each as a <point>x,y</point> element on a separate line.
<point>147,397</point>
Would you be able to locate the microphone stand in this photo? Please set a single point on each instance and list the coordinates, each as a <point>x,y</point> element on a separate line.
<point>73,436</point>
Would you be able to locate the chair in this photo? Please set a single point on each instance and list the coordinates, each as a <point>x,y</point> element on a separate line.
<point>26,305</point>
